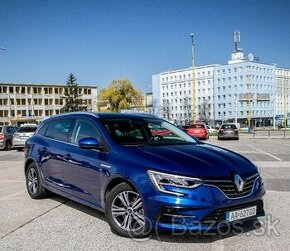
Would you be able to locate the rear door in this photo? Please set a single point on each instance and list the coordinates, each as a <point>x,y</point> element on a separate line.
<point>52,151</point>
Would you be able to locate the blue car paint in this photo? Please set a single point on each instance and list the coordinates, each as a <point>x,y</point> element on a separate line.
<point>84,175</point>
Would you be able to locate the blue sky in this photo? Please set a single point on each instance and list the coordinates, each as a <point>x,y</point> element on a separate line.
<point>103,40</point>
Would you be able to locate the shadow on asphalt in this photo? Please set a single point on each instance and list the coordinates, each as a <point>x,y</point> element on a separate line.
<point>181,237</point>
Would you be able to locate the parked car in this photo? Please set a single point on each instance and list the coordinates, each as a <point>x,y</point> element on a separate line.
<point>22,134</point>
<point>113,163</point>
<point>6,135</point>
<point>228,131</point>
<point>211,130</point>
<point>198,130</point>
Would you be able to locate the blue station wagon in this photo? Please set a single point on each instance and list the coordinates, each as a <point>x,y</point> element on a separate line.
<point>142,180</point>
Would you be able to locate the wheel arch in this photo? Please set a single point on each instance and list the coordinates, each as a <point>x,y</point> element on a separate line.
<point>113,183</point>
<point>27,163</point>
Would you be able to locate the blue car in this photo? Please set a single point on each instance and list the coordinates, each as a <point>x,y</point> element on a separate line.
<point>142,180</point>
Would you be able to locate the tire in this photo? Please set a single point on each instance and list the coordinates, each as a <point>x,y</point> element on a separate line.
<point>8,145</point>
<point>125,212</point>
<point>19,149</point>
<point>33,183</point>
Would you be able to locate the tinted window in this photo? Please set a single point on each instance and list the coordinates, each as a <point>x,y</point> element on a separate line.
<point>138,132</point>
<point>59,129</point>
<point>197,126</point>
<point>43,128</point>
<point>27,129</point>
<point>228,127</point>
<point>1,129</point>
<point>84,129</point>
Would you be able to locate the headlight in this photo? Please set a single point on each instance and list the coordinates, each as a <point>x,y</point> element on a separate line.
<point>163,181</point>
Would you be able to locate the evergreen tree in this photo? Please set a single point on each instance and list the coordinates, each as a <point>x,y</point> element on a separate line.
<point>72,96</point>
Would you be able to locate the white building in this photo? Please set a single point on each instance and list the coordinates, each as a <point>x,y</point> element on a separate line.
<point>21,103</point>
<point>242,90</point>
<point>282,95</point>
<point>172,93</point>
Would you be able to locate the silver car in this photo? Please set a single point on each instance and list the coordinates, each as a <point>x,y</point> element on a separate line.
<point>23,133</point>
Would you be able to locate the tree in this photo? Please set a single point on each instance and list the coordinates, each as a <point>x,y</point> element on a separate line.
<point>166,109</point>
<point>204,111</point>
<point>72,96</point>
<point>121,94</point>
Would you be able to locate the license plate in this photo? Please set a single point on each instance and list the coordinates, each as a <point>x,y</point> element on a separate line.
<point>241,214</point>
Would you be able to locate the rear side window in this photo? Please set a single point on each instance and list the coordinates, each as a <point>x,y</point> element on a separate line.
<point>43,128</point>
<point>27,129</point>
<point>197,126</point>
<point>229,127</point>
<point>59,129</point>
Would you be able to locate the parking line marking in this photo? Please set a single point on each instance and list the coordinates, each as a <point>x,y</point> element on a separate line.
<point>261,151</point>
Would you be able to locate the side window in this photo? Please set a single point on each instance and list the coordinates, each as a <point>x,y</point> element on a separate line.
<point>84,129</point>
<point>43,128</point>
<point>59,129</point>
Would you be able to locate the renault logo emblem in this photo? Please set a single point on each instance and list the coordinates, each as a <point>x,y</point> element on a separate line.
<point>239,182</point>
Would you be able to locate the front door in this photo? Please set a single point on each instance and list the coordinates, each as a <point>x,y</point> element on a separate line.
<point>82,166</point>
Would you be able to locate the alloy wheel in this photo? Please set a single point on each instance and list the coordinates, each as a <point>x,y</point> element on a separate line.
<point>127,211</point>
<point>32,181</point>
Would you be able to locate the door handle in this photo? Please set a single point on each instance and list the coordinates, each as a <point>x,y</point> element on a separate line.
<point>43,150</point>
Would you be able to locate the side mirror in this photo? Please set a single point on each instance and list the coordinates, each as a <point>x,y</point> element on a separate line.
<point>90,143</point>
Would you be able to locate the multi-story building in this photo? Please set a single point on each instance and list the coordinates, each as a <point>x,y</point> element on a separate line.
<point>244,91</point>
<point>282,101</point>
<point>27,102</point>
<point>172,94</point>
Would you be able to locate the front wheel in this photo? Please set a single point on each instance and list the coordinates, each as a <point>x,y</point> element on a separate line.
<point>125,212</point>
<point>33,183</point>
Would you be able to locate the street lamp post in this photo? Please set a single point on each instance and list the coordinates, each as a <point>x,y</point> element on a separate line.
<point>193,81</point>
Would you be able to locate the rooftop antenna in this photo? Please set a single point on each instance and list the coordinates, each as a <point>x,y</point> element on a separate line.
<point>237,40</point>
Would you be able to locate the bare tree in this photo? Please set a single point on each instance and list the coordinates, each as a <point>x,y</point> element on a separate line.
<point>204,111</point>
<point>166,109</point>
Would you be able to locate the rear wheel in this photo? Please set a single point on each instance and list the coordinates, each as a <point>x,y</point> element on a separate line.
<point>19,149</point>
<point>33,183</point>
<point>125,212</point>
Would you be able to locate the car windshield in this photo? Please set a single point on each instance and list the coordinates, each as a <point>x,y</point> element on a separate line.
<point>144,132</point>
<point>228,127</point>
<point>27,129</point>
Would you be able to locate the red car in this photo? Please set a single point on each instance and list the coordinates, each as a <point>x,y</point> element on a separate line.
<point>198,130</point>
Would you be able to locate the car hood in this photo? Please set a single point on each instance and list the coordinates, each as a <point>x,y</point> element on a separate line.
<point>201,160</point>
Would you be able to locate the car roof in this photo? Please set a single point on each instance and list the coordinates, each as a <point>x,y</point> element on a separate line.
<point>107,115</point>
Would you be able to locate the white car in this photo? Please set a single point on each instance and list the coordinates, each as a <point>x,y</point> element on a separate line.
<point>211,130</point>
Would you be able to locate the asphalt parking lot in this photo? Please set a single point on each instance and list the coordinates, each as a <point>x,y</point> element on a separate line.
<point>60,224</point>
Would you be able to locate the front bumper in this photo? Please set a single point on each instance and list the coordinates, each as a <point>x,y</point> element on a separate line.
<point>203,209</point>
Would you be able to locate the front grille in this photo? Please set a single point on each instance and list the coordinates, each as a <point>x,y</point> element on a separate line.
<point>219,215</point>
<point>229,188</point>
